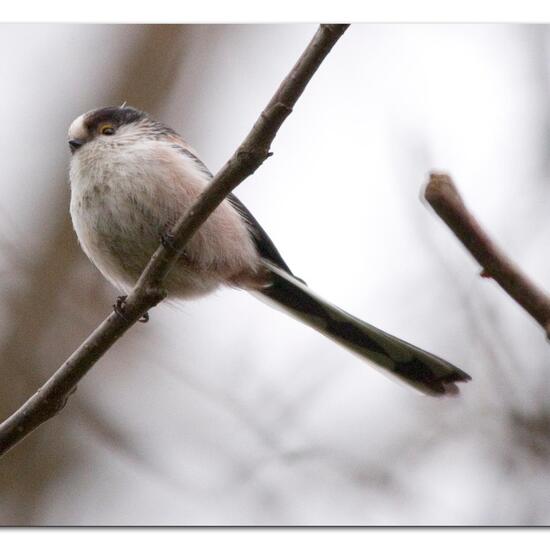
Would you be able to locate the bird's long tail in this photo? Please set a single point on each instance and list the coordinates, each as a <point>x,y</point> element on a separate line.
<point>418,368</point>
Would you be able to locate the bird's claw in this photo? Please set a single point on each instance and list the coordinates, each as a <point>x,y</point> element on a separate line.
<point>118,308</point>
<point>168,240</point>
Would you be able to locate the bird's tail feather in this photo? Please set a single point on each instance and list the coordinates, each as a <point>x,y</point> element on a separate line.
<point>418,368</point>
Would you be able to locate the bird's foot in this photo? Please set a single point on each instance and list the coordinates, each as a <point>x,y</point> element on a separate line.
<point>144,318</point>
<point>118,308</point>
<point>167,240</point>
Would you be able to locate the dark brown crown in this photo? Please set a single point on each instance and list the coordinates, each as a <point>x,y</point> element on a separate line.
<point>118,116</point>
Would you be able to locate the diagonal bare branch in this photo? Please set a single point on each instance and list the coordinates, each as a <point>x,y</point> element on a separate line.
<point>148,292</point>
<point>442,194</point>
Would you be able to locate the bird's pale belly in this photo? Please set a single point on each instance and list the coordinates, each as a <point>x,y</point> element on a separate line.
<point>119,234</point>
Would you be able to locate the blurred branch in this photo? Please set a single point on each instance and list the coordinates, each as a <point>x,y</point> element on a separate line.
<point>41,306</point>
<point>148,292</point>
<point>442,194</point>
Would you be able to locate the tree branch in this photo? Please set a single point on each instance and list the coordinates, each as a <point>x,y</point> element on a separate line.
<point>442,194</point>
<point>149,291</point>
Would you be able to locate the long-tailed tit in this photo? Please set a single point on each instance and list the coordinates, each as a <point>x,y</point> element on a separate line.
<point>131,179</point>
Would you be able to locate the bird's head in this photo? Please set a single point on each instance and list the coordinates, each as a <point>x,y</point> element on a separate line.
<point>108,125</point>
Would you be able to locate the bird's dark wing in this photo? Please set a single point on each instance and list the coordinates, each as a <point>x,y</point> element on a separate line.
<point>263,243</point>
<point>422,370</point>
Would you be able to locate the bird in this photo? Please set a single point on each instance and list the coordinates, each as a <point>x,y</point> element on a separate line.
<point>132,177</point>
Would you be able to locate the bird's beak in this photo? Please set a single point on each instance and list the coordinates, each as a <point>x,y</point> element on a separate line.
<point>75,144</point>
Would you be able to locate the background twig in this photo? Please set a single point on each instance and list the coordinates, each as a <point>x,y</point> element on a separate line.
<point>148,292</point>
<point>442,194</point>
<point>62,298</point>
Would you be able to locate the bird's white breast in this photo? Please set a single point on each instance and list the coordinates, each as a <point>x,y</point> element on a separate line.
<point>124,197</point>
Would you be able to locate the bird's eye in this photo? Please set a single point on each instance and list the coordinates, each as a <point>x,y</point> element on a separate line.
<point>106,129</point>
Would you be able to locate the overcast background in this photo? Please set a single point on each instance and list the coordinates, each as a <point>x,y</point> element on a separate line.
<point>224,411</point>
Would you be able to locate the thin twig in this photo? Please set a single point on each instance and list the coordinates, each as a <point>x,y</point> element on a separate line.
<point>442,194</point>
<point>148,292</point>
